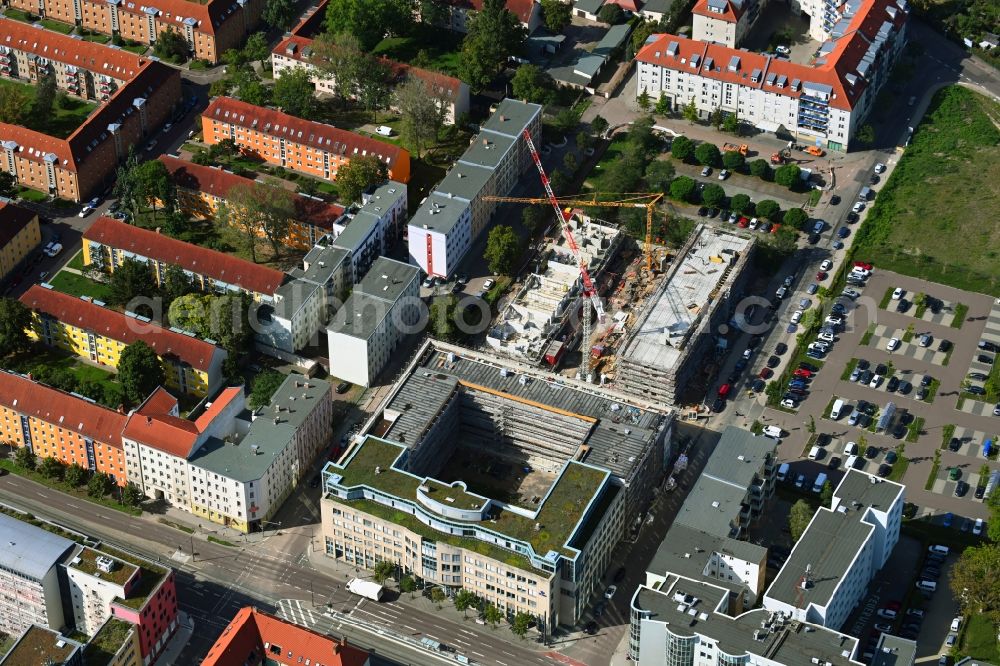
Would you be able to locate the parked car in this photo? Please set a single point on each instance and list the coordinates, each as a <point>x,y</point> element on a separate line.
<point>723,174</point>
<point>706,171</point>
<point>893,344</point>
<point>610,592</point>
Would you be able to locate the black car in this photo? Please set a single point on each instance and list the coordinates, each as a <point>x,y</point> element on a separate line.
<point>780,348</point>
<point>758,385</point>
<point>874,179</point>
<point>899,432</point>
<point>808,366</point>
<point>980,492</point>
<point>813,239</point>
<point>591,628</point>
<point>773,362</point>
<point>835,199</point>
<point>922,393</point>
<point>944,345</point>
<point>863,364</point>
<point>955,444</point>
<point>902,305</point>
<point>892,384</point>
<point>718,405</point>
<point>961,488</point>
<point>985,358</point>
<point>883,470</point>
<point>702,211</point>
<point>343,387</point>
<point>834,463</point>
<point>599,608</point>
<point>881,369</point>
<point>978,376</point>
<point>976,390</point>
<point>872,451</point>
<point>712,212</point>
<point>986,345</point>
<point>905,387</point>
<point>926,380</point>
<point>838,308</point>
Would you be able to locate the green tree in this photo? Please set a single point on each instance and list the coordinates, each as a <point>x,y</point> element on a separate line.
<point>45,96</point>
<point>707,154</point>
<point>264,385</point>
<point>75,475</point>
<point>100,484</point>
<point>865,135</point>
<point>798,518</point>
<point>662,107</point>
<point>280,14</point>
<point>15,319</point>
<point>993,526</point>
<point>557,15</point>
<point>171,45</point>
<point>433,12</point>
<point>133,278</point>
<point>441,318</point>
<point>795,218</point>
<point>293,93</point>
<point>788,175</point>
<point>519,625</point>
<point>659,174</point>
<point>826,494</point>
<point>733,160</point>
<point>643,100</point>
<point>740,203</point>
<point>713,195</point>
<point>731,123</point>
<point>262,209</point>
<point>15,105</point>
<point>140,371</point>
<point>408,585</point>
<point>973,581</point>
<point>257,49</point>
<point>24,458</point>
<point>682,148</point>
<point>176,283</point>
<point>570,163</point>
<point>715,118</point>
<point>153,184</point>
<point>611,14</point>
<point>492,615</point>
<point>8,186</point>
<point>502,249</point>
<point>221,318</point>
<point>246,85</point>
<point>532,218</point>
<point>690,111</point>
<point>565,121</point>
<point>533,84</point>
<point>132,495</point>
<point>342,58</point>
<point>494,35</point>
<point>437,596</point>
<point>368,20</point>
<point>583,141</point>
<point>383,571</point>
<point>812,421</point>
<point>770,209</point>
<point>464,600</point>
<point>785,241</point>
<point>374,86</point>
<point>683,188</point>
<point>51,468</point>
<point>422,115</point>
<point>358,175</point>
<point>599,125</point>
<point>760,169</point>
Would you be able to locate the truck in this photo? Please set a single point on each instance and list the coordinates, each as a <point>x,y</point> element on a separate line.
<point>742,148</point>
<point>366,588</point>
<point>815,150</point>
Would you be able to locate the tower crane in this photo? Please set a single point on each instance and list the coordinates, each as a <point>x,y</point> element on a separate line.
<point>647,201</point>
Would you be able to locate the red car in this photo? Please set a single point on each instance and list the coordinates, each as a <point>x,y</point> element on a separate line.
<point>820,276</point>
<point>744,222</point>
<point>774,228</point>
<point>894,606</point>
<point>864,265</point>
<point>765,373</point>
<point>724,391</point>
<point>802,372</point>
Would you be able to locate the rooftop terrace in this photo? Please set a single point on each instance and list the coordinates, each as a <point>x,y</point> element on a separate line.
<point>40,646</point>
<point>106,643</point>
<point>86,561</point>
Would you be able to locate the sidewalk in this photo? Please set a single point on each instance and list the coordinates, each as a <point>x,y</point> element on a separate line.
<point>178,641</point>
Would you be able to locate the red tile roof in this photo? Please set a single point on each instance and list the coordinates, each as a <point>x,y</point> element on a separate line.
<point>112,324</point>
<point>201,261</point>
<point>155,424</point>
<point>303,132</point>
<point>226,396</point>
<point>35,145</point>
<point>91,56</point>
<point>210,14</point>
<point>520,8</point>
<point>832,69</point>
<point>242,642</point>
<point>13,218</point>
<point>628,5</point>
<point>218,182</point>
<point>61,409</point>
<point>731,15</point>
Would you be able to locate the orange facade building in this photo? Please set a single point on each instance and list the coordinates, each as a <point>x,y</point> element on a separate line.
<point>293,143</point>
<point>63,426</point>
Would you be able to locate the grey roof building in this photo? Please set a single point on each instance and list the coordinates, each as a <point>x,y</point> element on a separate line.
<point>896,651</point>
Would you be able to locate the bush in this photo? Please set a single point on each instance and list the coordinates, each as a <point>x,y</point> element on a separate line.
<point>707,154</point>
<point>788,175</point>
<point>682,188</point>
<point>740,203</point>
<point>682,148</point>
<point>795,217</point>
<point>768,208</point>
<point>713,195</point>
<point>733,160</point>
<point>761,169</point>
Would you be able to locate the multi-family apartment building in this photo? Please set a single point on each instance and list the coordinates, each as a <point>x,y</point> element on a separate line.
<point>254,636</point>
<point>383,308</point>
<point>210,28</point>
<point>219,465</point>
<point>39,645</point>
<point>841,551</point>
<point>301,145</point>
<point>71,429</point>
<point>374,228</point>
<point>823,102</point>
<point>456,211</point>
<point>19,235</point>
<point>457,13</point>
<point>202,189</point>
<point>59,584</point>
<point>99,334</point>
<point>296,50</point>
<point>724,22</point>
<point>136,96</point>
<point>577,462</point>
<point>29,576</point>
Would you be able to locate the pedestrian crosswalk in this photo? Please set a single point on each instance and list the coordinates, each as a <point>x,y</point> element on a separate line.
<point>298,612</point>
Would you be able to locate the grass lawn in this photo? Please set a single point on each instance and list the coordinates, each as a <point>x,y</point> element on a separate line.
<point>57,26</point>
<point>940,190</point>
<point>94,37</point>
<point>63,121</point>
<point>138,49</point>
<point>980,640</point>
<point>430,48</point>
<point>18,15</point>
<point>76,262</point>
<point>29,194</point>
<point>78,285</point>
<point>899,469</point>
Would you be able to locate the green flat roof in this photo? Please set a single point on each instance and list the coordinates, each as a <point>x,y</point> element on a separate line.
<point>88,564</point>
<point>106,643</point>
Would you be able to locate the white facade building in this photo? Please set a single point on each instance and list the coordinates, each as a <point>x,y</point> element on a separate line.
<point>303,305</point>
<point>382,309</point>
<point>456,212</point>
<point>94,581</point>
<point>823,103</point>
<point>29,576</point>
<point>374,228</point>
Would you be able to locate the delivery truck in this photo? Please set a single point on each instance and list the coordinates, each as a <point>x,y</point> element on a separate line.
<point>368,589</point>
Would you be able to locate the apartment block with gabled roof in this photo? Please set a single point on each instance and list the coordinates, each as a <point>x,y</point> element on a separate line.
<point>293,143</point>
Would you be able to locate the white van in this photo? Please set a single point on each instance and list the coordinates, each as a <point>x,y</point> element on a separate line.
<point>851,462</point>
<point>927,585</point>
<point>820,480</point>
<point>850,449</point>
<point>384,130</point>
<point>838,405</point>
<point>774,432</point>
<point>939,549</point>
<point>783,471</point>
<point>815,453</point>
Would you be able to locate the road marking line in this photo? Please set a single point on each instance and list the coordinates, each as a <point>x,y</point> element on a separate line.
<point>406,626</point>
